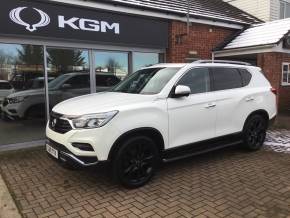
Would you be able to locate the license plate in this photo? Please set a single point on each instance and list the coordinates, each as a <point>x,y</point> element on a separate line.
<point>52,151</point>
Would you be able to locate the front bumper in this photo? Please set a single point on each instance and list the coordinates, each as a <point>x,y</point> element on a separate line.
<point>11,111</point>
<point>66,156</point>
<point>101,140</point>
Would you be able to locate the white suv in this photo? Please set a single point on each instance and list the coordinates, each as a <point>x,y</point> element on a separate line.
<point>163,112</point>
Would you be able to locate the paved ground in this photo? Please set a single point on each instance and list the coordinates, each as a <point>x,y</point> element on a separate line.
<point>227,183</point>
<point>8,208</point>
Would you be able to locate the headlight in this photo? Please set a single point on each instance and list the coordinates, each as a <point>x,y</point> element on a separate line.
<point>91,121</point>
<point>16,100</point>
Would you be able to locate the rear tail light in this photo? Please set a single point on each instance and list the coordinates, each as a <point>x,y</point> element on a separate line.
<point>274,91</point>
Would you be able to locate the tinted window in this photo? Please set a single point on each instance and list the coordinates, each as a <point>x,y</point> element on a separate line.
<point>246,76</point>
<point>106,80</point>
<point>226,78</point>
<point>5,86</point>
<point>78,82</point>
<point>197,80</point>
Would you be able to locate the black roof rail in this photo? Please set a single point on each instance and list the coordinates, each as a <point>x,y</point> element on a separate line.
<point>222,62</point>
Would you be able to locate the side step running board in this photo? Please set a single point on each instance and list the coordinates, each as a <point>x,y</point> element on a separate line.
<point>166,160</point>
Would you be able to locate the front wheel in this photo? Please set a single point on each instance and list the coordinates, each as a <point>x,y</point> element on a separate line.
<point>135,162</point>
<point>254,132</point>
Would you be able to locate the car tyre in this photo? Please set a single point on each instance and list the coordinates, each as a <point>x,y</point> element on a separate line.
<point>254,132</point>
<point>135,161</point>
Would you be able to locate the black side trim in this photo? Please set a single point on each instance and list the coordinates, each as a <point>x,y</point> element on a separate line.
<point>193,149</point>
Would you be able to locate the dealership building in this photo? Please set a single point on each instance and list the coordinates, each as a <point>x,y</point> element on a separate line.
<point>54,50</point>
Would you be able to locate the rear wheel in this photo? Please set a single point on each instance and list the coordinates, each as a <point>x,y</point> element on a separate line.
<point>254,132</point>
<point>135,162</point>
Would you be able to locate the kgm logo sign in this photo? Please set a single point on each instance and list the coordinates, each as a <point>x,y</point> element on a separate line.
<point>15,17</point>
<point>74,22</point>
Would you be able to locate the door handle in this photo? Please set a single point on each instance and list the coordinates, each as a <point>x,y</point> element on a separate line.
<point>250,99</point>
<point>210,105</point>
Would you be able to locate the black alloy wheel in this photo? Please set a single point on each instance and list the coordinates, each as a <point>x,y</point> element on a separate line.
<point>255,132</point>
<point>135,162</point>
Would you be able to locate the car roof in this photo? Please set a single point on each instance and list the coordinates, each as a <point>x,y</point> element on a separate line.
<point>197,64</point>
<point>180,65</point>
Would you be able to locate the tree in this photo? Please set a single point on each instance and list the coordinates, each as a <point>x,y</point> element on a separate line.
<point>30,55</point>
<point>64,59</point>
<point>5,60</point>
<point>112,65</point>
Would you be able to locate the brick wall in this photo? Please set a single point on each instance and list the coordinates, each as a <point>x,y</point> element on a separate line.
<point>202,39</point>
<point>271,63</point>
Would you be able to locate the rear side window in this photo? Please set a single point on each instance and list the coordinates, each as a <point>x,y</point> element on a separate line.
<point>5,86</point>
<point>226,78</point>
<point>246,76</point>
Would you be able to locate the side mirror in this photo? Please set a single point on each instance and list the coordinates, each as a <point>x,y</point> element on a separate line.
<point>181,91</point>
<point>66,86</point>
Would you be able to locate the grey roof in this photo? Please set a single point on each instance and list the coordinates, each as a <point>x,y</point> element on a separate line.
<point>207,9</point>
<point>269,33</point>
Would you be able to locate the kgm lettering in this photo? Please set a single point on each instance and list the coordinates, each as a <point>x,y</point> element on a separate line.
<point>88,24</point>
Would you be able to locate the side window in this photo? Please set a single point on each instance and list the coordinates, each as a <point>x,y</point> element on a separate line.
<point>5,86</point>
<point>197,80</point>
<point>78,82</point>
<point>106,80</point>
<point>226,78</point>
<point>246,76</point>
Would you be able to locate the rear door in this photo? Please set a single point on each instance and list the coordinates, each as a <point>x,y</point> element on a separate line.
<point>231,99</point>
<point>192,118</point>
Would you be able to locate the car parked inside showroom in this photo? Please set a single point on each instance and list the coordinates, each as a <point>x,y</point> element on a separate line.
<point>5,90</point>
<point>163,113</point>
<point>31,103</point>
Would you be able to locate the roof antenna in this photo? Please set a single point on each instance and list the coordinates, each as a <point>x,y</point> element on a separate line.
<point>187,16</point>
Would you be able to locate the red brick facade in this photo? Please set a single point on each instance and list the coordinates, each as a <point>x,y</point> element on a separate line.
<point>202,39</point>
<point>271,63</point>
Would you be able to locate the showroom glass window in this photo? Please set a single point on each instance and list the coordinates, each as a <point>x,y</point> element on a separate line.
<point>23,102</point>
<point>144,60</point>
<point>68,74</point>
<point>110,68</point>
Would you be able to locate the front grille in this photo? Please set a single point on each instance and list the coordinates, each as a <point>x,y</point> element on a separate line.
<point>5,102</point>
<point>58,124</point>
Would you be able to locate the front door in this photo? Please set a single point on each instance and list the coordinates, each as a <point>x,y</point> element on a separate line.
<point>192,118</point>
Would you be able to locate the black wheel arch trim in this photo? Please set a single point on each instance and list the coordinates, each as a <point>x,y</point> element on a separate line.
<point>262,112</point>
<point>145,131</point>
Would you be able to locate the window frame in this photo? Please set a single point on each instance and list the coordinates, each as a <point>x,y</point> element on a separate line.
<point>288,74</point>
<point>283,5</point>
<point>179,78</point>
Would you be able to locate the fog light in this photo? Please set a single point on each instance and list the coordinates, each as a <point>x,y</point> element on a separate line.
<point>83,146</point>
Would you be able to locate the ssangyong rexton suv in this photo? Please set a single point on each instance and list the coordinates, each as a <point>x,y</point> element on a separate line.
<point>163,112</point>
